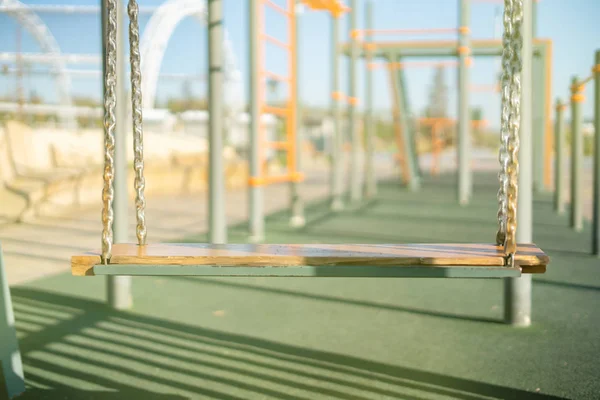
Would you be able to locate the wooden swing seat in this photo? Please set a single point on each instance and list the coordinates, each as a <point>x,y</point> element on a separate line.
<point>313,260</point>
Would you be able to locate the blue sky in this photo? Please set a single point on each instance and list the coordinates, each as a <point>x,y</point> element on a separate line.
<point>572,25</point>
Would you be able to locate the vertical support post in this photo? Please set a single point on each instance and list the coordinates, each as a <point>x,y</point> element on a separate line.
<point>355,177</point>
<point>256,200</point>
<point>547,59</point>
<point>410,133</point>
<point>517,291</point>
<point>12,380</point>
<point>297,207</point>
<point>370,178</point>
<point>217,230</point>
<point>337,182</point>
<point>576,155</point>
<point>119,287</point>
<point>539,128</point>
<point>596,218</point>
<point>559,171</point>
<point>464,125</point>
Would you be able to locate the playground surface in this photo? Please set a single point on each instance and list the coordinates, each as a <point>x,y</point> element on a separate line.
<point>321,338</point>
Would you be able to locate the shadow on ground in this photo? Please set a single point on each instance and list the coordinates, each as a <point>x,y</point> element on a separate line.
<point>75,348</point>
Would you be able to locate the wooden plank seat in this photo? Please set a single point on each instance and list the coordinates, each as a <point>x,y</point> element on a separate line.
<point>342,260</point>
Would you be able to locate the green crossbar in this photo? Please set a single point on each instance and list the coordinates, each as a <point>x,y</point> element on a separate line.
<point>338,271</point>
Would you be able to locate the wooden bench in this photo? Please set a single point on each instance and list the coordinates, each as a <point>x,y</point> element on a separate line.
<point>325,260</point>
<point>33,187</point>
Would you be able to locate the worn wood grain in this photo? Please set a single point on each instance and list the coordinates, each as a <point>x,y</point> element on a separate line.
<point>529,257</point>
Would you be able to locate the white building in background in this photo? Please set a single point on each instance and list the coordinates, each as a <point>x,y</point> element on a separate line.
<point>195,123</point>
<point>159,120</point>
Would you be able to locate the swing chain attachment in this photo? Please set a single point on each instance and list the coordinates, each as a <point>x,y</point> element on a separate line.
<point>138,134</point>
<point>110,101</point>
<point>512,42</point>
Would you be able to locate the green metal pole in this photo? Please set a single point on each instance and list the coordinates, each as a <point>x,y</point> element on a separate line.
<point>216,184</point>
<point>337,182</point>
<point>370,178</point>
<point>464,123</point>
<point>408,131</point>
<point>256,200</point>
<point>576,158</point>
<point>517,291</point>
<point>559,170</point>
<point>119,287</point>
<point>355,177</point>
<point>596,228</point>
<point>12,381</point>
<point>411,125</point>
<point>297,206</point>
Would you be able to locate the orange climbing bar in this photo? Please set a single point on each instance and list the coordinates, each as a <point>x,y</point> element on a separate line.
<point>339,96</point>
<point>276,42</point>
<point>286,111</point>
<point>276,7</point>
<point>276,77</point>
<point>335,7</point>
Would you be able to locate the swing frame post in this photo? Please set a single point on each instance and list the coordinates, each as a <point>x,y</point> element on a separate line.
<point>517,291</point>
<point>576,155</point>
<point>216,183</point>
<point>297,219</point>
<point>337,179</point>
<point>464,126</point>
<point>370,176</point>
<point>118,288</point>
<point>12,379</point>
<point>560,149</point>
<point>355,152</point>
<point>256,196</point>
<point>596,216</point>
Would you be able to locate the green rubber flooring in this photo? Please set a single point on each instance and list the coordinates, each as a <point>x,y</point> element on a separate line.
<point>323,338</point>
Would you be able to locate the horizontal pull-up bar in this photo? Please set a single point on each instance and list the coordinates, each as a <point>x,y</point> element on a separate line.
<point>359,33</point>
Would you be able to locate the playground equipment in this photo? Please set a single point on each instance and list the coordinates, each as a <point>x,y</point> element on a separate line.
<point>502,259</point>
<point>577,153</point>
<point>288,112</point>
<point>465,49</point>
<point>404,135</point>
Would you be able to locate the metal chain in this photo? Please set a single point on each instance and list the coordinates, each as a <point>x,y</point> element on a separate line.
<point>514,124</point>
<point>136,107</point>
<point>110,101</point>
<point>504,134</point>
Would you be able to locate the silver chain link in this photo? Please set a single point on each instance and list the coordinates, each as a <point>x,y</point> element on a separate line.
<point>110,101</point>
<point>510,125</point>
<point>514,124</point>
<point>504,134</point>
<point>136,107</point>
